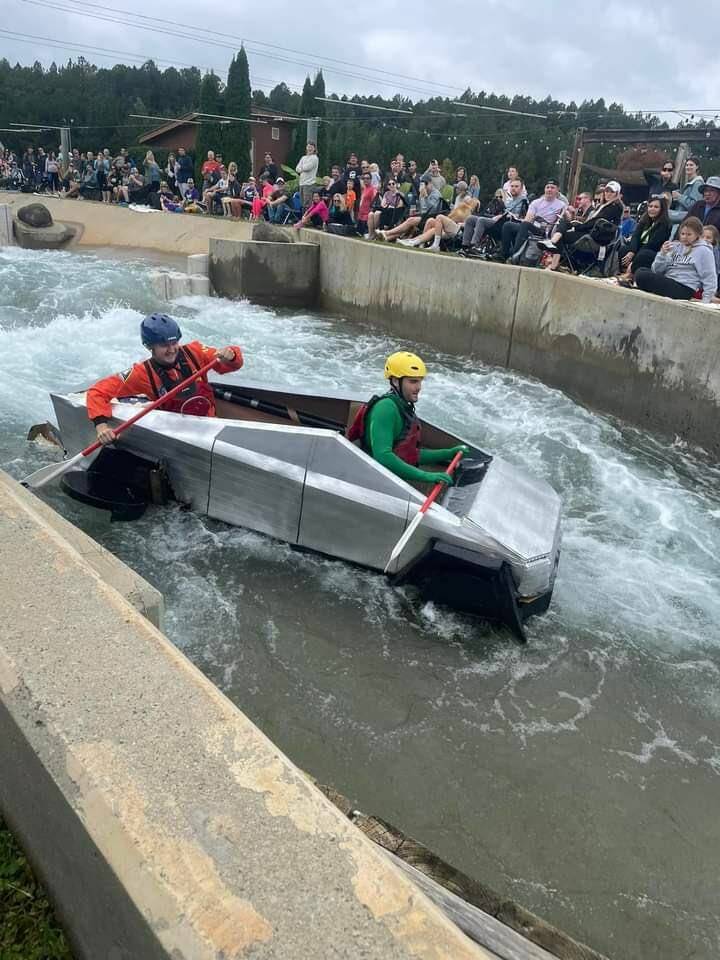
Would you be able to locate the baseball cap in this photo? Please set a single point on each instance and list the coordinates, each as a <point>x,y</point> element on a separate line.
<point>614,186</point>
<point>554,183</point>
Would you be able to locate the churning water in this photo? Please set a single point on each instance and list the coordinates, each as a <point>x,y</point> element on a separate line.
<point>579,774</point>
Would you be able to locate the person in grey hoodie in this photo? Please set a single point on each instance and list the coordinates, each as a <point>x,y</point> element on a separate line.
<point>682,267</point>
<point>690,193</point>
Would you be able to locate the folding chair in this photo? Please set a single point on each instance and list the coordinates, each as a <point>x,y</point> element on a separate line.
<point>603,262</point>
<point>294,210</point>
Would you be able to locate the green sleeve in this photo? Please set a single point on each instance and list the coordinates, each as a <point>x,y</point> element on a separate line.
<point>383,430</point>
<point>436,456</point>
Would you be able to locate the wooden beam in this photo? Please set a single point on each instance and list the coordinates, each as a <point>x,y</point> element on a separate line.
<point>643,135</point>
<point>576,164</point>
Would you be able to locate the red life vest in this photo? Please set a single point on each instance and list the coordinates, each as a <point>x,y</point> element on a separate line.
<point>407,446</point>
<point>196,399</point>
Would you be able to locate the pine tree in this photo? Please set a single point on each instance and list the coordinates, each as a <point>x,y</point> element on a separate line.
<point>237,139</point>
<point>209,131</point>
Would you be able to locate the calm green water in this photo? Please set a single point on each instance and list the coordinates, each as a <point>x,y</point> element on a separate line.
<point>579,774</point>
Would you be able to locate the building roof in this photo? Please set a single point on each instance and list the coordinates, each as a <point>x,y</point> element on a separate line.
<point>194,118</point>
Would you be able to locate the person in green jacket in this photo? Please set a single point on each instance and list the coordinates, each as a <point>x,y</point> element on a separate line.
<point>389,430</point>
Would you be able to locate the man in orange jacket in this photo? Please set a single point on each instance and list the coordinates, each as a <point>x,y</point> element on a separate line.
<point>169,365</point>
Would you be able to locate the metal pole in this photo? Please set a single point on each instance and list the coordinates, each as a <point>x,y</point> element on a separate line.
<point>65,146</point>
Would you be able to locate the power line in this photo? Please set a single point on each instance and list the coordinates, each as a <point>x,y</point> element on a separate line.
<point>263,43</point>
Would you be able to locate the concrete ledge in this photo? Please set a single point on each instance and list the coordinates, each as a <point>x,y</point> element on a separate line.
<point>282,274</point>
<point>163,822</point>
<point>33,515</point>
<point>98,225</point>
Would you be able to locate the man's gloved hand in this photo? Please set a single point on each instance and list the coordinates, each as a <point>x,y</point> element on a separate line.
<point>462,448</point>
<point>440,478</point>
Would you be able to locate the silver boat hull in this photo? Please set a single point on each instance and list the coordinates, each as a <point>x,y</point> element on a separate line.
<point>311,487</point>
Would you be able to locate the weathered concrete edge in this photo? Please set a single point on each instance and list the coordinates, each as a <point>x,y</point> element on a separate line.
<point>129,854</point>
<point>146,599</point>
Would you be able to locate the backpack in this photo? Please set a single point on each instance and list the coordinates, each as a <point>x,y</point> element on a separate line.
<point>529,255</point>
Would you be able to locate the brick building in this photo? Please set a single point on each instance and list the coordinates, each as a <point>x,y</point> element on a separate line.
<point>270,134</point>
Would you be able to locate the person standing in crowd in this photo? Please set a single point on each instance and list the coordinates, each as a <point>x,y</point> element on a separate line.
<point>683,267</point>
<point>152,172</point>
<point>707,209</point>
<point>183,171</point>
<point>170,172</point>
<point>651,232</point>
<point>460,177</point>
<point>307,168</point>
<point>474,186</point>
<point>661,182</point>
<point>52,168</point>
<point>367,197</point>
<point>690,193</point>
<point>433,171</point>
<point>270,168</point>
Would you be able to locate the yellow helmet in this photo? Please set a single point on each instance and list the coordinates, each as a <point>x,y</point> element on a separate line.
<point>403,364</point>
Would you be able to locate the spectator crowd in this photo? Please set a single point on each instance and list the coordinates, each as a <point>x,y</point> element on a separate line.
<point>668,245</point>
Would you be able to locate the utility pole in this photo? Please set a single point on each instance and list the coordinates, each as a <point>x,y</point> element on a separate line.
<point>65,146</point>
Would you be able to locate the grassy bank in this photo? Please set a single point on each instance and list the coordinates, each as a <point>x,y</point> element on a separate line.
<point>28,928</point>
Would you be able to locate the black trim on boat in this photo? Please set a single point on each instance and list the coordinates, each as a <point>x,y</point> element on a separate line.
<point>459,578</point>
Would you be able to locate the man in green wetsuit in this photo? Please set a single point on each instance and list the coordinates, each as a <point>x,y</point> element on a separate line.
<point>389,430</point>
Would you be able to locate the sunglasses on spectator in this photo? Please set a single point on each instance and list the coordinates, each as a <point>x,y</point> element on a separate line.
<point>668,169</point>
<point>391,183</point>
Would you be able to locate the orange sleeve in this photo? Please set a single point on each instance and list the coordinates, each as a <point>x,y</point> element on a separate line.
<point>129,384</point>
<point>205,354</point>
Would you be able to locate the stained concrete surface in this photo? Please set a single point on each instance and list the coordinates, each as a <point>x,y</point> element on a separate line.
<point>163,822</point>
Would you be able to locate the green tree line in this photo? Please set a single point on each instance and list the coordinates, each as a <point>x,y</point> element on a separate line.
<point>97,103</point>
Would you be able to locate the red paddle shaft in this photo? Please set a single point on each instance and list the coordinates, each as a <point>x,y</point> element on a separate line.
<point>432,496</point>
<point>151,406</point>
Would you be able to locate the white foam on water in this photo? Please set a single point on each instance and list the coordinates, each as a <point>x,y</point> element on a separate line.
<point>630,645</point>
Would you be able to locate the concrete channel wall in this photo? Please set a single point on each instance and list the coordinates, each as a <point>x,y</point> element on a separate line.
<point>163,822</point>
<point>650,361</point>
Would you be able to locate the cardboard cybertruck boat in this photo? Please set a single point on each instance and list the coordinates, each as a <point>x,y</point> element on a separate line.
<point>277,461</point>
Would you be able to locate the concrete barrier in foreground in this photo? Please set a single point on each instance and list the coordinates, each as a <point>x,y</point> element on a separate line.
<point>162,821</point>
<point>280,274</point>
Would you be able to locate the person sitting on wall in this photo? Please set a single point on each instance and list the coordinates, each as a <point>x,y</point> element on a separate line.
<point>707,210</point>
<point>514,208</point>
<point>611,209</point>
<point>683,267</point>
<point>651,232</point>
<point>541,217</point>
<point>169,365</point>
<point>340,221</point>
<point>387,428</point>
<point>277,204</point>
<point>316,215</point>
<point>387,210</point>
<point>445,226</point>
<point>429,205</point>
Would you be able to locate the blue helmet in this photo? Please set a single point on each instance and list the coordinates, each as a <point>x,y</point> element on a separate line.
<point>159,328</point>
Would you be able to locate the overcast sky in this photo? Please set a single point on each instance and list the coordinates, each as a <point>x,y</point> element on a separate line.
<point>647,56</point>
